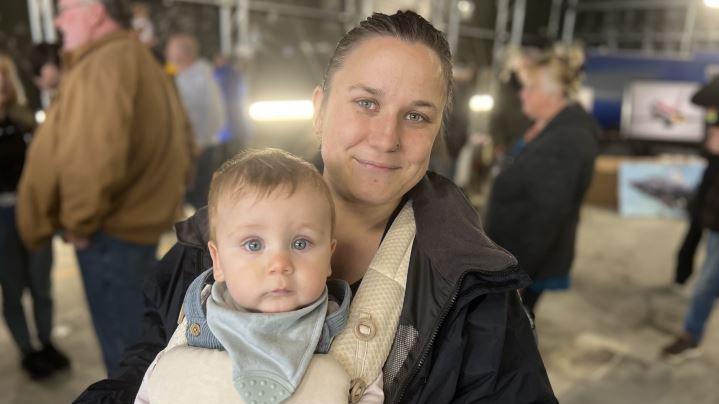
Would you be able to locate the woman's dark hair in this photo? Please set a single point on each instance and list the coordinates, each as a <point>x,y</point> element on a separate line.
<point>405,25</point>
<point>43,54</point>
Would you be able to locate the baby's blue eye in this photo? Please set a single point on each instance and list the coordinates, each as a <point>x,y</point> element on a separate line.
<point>253,245</point>
<point>300,244</point>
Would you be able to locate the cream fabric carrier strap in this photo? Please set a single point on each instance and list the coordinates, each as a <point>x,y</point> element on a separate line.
<point>185,374</point>
<point>363,346</point>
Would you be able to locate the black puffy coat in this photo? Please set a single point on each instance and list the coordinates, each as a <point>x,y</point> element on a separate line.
<point>535,200</point>
<point>16,127</point>
<point>463,335</point>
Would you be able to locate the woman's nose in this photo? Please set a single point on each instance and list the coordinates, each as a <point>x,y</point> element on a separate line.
<point>385,133</point>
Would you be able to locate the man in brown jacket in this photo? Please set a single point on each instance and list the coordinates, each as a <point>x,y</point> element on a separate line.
<point>107,169</point>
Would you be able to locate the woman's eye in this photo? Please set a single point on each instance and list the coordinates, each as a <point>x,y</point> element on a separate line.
<point>367,104</point>
<point>300,244</point>
<point>415,117</point>
<point>253,245</point>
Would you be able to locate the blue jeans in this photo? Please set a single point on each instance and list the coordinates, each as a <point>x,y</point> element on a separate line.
<point>705,291</point>
<point>112,272</point>
<point>22,270</point>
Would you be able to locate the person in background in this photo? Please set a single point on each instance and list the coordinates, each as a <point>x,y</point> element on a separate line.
<point>444,157</point>
<point>507,121</point>
<point>45,64</point>
<point>535,201</point>
<point>142,25</point>
<point>144,28</point>
<point>21,269</point>
<point>235,134</point>
<point>706,213</point>
<point>202,98</point>
<point>708,97</point>
<point>107,169</point>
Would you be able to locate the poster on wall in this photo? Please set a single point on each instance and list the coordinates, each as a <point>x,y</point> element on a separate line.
<point>658,189</point>
<point>662,110</point>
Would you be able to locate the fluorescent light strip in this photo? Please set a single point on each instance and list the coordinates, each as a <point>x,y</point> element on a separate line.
<point>290,110</point>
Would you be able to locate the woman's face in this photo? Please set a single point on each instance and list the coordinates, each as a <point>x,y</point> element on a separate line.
<point>379,119</point>
<point>538,95</point>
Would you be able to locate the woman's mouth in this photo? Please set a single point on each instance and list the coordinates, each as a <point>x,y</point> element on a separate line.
<point>374,165</point>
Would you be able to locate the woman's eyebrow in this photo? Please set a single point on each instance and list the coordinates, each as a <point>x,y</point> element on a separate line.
<point>425,104</point>
<point>373,91</point>
<point>376,92</point>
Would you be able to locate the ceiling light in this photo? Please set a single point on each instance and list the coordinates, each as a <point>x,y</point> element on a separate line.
<point>291,110</point>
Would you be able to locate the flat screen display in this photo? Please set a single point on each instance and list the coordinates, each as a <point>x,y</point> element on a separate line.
<point>662,110</point>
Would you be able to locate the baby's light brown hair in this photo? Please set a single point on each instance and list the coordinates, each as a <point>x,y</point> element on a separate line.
<point>263,172</point>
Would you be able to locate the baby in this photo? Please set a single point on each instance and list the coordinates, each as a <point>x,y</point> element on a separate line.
<point>260,329</point>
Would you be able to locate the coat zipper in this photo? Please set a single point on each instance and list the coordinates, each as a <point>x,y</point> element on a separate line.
<point>443,317</point>
<point>422,358</point>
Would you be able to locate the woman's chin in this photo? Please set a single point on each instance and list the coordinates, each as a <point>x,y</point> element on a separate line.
<point>376,194</point>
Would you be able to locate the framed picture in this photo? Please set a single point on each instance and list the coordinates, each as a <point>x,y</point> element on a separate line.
<point>658,189</point>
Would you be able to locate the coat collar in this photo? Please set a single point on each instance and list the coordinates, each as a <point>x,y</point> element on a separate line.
<point>194,231</point>
<point>71,58</point>
<point>450,234</point>
<point>572,114</point>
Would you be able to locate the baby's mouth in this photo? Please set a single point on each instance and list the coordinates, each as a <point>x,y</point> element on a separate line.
<point>280,292</point>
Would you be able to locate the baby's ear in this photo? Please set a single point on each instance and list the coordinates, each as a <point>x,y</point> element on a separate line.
<point>216,267</point>
<point>333,245</point>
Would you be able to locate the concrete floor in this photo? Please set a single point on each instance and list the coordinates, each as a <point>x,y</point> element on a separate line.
<point>599,340</point>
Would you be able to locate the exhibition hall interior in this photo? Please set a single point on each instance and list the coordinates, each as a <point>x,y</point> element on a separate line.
<point>426,201</point>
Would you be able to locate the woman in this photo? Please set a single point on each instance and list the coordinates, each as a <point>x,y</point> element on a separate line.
<point>22,269</point>
<point>535,201</point>
<point>462,335</point>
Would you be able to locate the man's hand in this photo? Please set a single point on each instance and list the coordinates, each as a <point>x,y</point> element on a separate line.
<point>79,242</point>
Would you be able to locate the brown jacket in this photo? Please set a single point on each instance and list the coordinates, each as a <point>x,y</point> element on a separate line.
<point>114,152</point>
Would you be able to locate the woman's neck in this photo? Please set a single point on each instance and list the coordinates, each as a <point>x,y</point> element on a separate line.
<point>541,122</point>
<point>552,110</point>
<point>358,231</point>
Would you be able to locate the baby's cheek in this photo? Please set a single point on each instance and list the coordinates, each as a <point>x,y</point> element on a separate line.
<point>240,296</point>
<point>318,287</point>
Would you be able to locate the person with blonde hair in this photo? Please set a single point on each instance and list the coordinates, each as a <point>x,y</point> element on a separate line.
<point>22,270</point>
<point>535,200</point>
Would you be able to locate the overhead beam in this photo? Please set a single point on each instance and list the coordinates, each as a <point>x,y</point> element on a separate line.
<point>609,5</point>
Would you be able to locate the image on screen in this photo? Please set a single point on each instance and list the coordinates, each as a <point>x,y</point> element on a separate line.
<point>662,110</point>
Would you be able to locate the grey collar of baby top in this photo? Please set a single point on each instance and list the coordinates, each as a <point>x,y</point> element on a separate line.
<point>269,351</point>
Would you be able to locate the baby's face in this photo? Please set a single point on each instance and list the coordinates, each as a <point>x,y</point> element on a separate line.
<point>273,252</point>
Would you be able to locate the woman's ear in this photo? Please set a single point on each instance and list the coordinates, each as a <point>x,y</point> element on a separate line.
<point>333,245</point>
<point>217,272</point>
<point>317,98</point>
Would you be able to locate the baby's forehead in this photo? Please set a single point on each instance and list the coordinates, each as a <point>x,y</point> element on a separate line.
<point>251,197</point>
